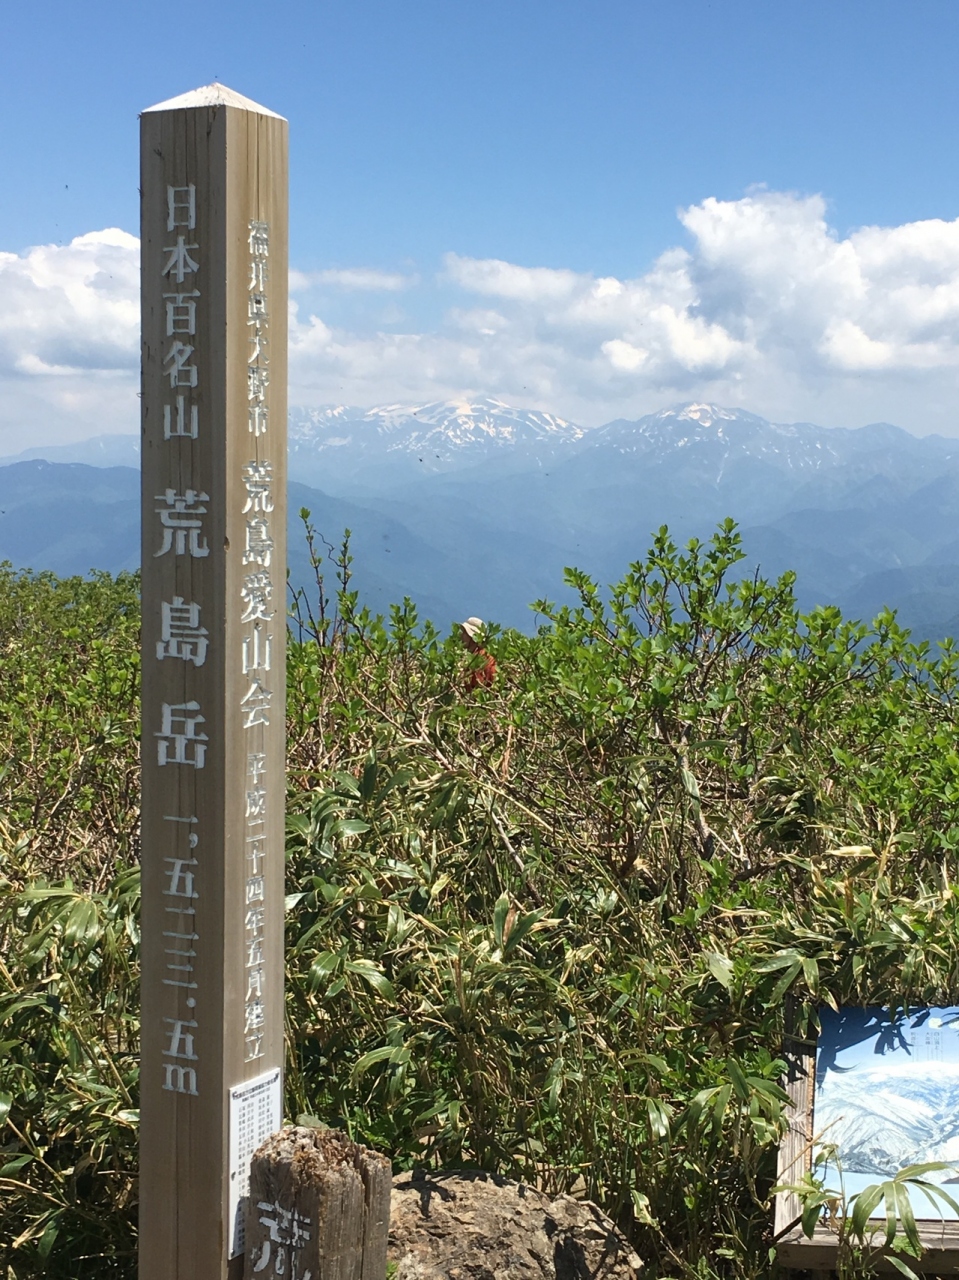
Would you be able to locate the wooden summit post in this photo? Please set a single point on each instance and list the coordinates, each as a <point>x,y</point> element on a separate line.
<point>214,319</point>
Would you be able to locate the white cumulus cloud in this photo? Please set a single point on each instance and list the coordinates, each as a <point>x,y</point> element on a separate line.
<point>69,340</point>
<point>364,279</point>
<point>73,307</point>
<point>765,305</point>
<point>504,280</point>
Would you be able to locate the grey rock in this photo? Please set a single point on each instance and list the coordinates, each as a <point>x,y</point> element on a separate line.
<point>476,1226</point>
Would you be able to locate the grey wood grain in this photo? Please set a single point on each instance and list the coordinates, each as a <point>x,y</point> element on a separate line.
<point>319,1207</point>
<point>226,165</point>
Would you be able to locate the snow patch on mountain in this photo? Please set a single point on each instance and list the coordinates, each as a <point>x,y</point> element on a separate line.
<point>397,443</point>
<point>716,436</point>
<point>440,431</point>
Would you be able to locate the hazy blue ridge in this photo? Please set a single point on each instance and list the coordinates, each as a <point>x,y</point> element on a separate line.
<point>99,451</point>
<point>475,508</point>
<point>69,517</point>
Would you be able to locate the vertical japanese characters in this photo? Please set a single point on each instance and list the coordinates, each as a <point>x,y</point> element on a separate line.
<point>257,612</point>
<point>181,741</point>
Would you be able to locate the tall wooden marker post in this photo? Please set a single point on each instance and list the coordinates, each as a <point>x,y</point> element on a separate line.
<point>214,300</point>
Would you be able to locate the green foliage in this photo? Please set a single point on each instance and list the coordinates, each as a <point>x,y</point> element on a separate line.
<point>858,1233</point>
<point>68,924</point>
<point>550,927</point>
<point>69,702</point>
<point>69,1024</point>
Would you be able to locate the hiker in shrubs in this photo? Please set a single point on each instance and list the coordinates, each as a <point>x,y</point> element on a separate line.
<point>483,675</point>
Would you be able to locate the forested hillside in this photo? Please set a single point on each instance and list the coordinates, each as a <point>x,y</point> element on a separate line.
<point>553,927</point>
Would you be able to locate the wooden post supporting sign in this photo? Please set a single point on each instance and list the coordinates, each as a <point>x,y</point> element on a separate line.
<point>214,318</point>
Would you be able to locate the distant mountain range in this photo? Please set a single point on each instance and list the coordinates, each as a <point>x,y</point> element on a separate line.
<point>100,451</point>
<point>475,508</point>
<point>380,448</point>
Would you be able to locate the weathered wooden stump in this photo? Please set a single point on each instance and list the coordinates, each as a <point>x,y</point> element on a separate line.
<point>319,1208</point>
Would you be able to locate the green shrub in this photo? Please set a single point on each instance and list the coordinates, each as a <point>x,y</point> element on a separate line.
<point>550,927</point>
<point>69,996</point>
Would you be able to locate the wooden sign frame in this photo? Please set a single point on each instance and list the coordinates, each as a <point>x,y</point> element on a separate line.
<point>817,1253</point>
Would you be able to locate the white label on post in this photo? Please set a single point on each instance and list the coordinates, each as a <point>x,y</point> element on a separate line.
<point>255,1113</point>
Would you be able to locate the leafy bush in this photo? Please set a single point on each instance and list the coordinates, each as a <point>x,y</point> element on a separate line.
<point>69,693</point>
<point>551,927</point>
<point>69,882</point>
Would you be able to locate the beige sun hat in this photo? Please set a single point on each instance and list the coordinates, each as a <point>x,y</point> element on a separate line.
<point>472,627</point>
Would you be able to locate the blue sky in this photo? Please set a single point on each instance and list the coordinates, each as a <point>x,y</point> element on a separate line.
<point>537,134</point>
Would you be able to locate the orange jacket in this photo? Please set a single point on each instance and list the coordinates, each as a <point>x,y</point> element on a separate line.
<point>484,675</point>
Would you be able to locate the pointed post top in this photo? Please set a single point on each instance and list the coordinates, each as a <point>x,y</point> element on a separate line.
<point>213,95</point>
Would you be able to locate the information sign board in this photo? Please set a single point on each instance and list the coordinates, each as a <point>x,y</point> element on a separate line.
<point>256,1112</point>
<point>875,1093</point>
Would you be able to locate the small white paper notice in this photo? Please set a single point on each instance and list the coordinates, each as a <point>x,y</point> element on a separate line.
<point>255,1113</point>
